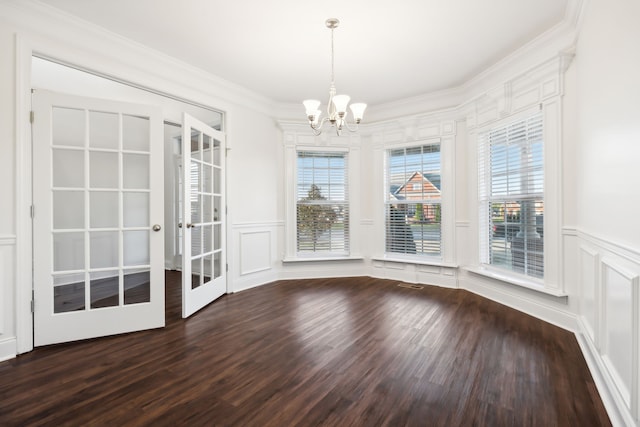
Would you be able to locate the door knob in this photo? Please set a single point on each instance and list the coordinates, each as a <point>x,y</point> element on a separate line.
<point>189,225</point>
<point>156,227</point>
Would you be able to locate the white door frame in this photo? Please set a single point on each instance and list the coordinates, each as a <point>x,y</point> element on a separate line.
<point>25,48</point>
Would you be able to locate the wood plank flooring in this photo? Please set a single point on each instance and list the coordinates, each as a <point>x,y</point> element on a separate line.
<point>322,352</point>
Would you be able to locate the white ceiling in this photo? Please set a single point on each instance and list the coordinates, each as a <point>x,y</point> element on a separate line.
<point>385,50</point>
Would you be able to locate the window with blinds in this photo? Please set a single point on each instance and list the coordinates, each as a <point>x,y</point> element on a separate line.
<point>511,196</point>
<point>413,201</point>
<point>322,207</point>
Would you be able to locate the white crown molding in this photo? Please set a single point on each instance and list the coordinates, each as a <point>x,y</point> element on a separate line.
<point>54,35</point>
<point>559,40</point>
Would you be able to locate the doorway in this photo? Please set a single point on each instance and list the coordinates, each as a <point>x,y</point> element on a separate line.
<point>52,76</point>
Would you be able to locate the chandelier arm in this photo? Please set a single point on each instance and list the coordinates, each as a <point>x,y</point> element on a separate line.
<point>349,128</point>
<point>317,129</point>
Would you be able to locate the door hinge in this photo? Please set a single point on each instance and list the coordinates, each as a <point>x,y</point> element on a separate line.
<point>226,210</point>
<point>31,116</point>
<point>32,211</point>
<point>33,305</point>
<point>227,267</point>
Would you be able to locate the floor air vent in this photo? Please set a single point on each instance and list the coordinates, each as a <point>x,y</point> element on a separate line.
<point>410,286</point>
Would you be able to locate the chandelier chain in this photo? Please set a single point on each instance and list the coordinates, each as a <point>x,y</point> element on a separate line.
<point>332,60</point>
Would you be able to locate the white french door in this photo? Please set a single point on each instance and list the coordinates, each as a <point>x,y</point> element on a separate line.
<point>98,209</point>
<point>203,215</point>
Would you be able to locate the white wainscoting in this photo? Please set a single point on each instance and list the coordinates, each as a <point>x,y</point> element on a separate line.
<point>609,323</point>
<point>254,261</point>
<point>7,288</point>
<point>255,251</point>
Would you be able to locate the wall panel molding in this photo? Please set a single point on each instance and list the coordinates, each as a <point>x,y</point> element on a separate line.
<point>619,333</point>
<point>255,251</point>
<point>609,321</point>
<point>589,291</point>
<point>255,259</point>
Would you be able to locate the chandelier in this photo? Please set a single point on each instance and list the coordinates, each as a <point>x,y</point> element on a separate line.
<point>337,105</point>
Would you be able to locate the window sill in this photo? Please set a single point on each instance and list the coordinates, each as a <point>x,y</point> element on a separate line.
<point>325,258</point>
<point>517,281</point>
<point>434,262</point>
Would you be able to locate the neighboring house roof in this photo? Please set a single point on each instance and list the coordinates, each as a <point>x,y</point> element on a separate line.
<point>428,187</point>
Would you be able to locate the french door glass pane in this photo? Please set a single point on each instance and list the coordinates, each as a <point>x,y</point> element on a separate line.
<point>103,247</point>
<point>195,145</point>
<point>103,171</point>
<point>217,237</point>
<point>104,129</point>
<point>217,180</point>
<point>135,133</point>
<point>136,247</point>
<point>104,289</point>
<point>196,270</point>
<point>217,265</point>
<point>68,251</point>
<point>68,210</point>
<point>69,297</point>
<point>136,209</point>
<point>206,148</point>
<point>207,178</point>
<point>207,265</point>
<point>207,213</point>
<point>103,209</point>
<point>68,168</point>
<point>68,127</point>
<point>196,240</point>
<point>137,286</point>
<point>207,238</point>
<point>216,152</point>
<point>217,201</point>
<point>196,209</point>
<point>135,171</point>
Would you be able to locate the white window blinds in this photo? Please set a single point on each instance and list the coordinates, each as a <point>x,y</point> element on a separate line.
<point>413,201</point>
<point>322,207</point>
<point>511,196</point>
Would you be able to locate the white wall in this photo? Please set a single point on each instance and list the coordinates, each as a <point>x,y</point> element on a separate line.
<point>7,194</point>
<point>608,64</point>
<point>607,199</point>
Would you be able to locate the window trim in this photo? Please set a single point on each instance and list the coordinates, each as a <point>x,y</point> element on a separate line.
<point>291,149</point>
<point>553,282</point>
<point>483,145</point>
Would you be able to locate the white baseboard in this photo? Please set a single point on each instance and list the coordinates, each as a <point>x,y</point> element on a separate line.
<point>8,349</point>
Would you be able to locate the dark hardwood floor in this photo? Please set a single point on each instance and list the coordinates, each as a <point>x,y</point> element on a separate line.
<point>332,352</point>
